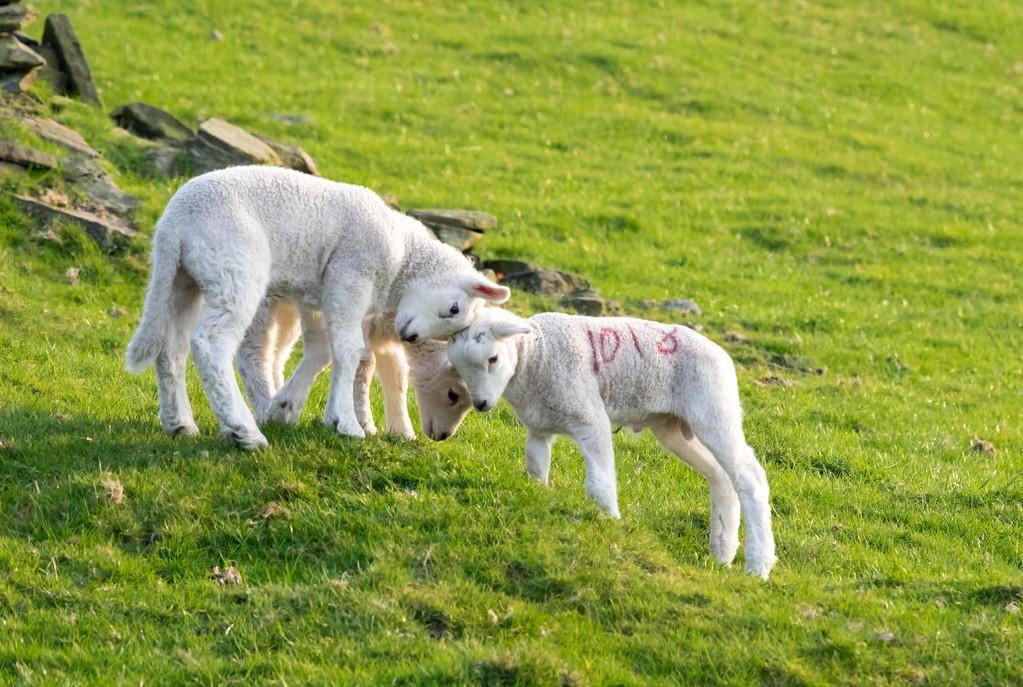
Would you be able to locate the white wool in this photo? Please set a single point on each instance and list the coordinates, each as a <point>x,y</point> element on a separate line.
<point>230,238</point>
<point>582,376</point>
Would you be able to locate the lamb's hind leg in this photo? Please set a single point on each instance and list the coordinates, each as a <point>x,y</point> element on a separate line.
<point>724,502</point>
<point>594,441</point>
<point>392,371</point>
<point>172,362</point>
<point>360,396</point>
<point>255,358</point>
<point>222,325</point>
<point>287,404</point>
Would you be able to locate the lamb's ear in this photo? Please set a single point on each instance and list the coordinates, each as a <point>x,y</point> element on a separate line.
<point>511,326</point>
<point>479,286</point>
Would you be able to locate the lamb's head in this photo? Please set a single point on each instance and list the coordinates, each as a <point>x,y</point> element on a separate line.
<point>485,355</point>
<point>441,394</point>
<point>437,308</point>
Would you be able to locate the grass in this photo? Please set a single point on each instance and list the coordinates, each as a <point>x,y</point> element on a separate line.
<point>837,182</point>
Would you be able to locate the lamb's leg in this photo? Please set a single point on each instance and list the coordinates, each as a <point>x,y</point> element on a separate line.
<point>171,363</point>
<point>601,483</point>
<point>538,455</point>
<point>222,325</point>
<point>363,379</point>
<point>345,306</point>
<point>392,371</point>
<point>724,502</point>
<point>288,331</point>
<point>287,403</point>
<point>255,358</point>
<point>721,432</point>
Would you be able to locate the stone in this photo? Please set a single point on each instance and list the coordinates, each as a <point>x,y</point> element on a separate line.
<point>466,219</point>
<point>982,446</point>
<point>167,160</point>
<point>585,302</point>
<point>227,576</point>
<point>50,72</point>
<point>109,233</point>
<point>292,156</point>
<point>684,305</point>
<point>505,266</point>
<point>18,82</point>
<point>546,281</point>
<point>10,151</point>
<point>58,133</point>
<point>15,16</point>
<point>58,34</point>
<point>96,184</point>
<point>462,239</point>
<point>221,144</point>
<point>15,56</point>
<point>10,168</point>
<point>151,122</point>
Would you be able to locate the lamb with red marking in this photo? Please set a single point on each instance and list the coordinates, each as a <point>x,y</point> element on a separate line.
<point>580,376</point>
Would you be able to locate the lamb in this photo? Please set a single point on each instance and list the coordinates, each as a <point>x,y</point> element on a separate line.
<point>565,374</point>
<point>442,397</point>
<point>230,238</point>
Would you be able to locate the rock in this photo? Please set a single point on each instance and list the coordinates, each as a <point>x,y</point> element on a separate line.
<point>292,156</point>
<point>10,168</point>
<point>167,160</point>
<point>462,239</point>
<point>50,72</point>
<point>294,119</point>
<point>216,35</point>
<point>886,637</point>
<point>505,266</point>
<point>18,82</point>
<point>391,200</point>
<point>221,144</point>
<point>684,305</point>
<point>489,274</point>
<point>15,16</point>
<point>109,233</point>
<point>58,34</point>
<point>466,219</point>
<point>772,380</point>
<point>736,337</point>
<point>982,446</point>
<point>229,575</point>
<point>96,184</point>
<point>589,302</point>
<point>151,122</point>
<point>546,281</point>
<point>15,56</point>
<point>24,156</point>
<point>58,133</point>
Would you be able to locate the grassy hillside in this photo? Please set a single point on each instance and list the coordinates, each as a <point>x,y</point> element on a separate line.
<point>839,183</point>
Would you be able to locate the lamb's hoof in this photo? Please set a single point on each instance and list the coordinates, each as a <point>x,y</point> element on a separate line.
<point>402,433</point>
<point>246,439</point>
<point>369,428</point>
<point>348,429</point>
<point>760,568</point>
<point>283,412</point>
<point>185,429</point>
<point>723,550</point>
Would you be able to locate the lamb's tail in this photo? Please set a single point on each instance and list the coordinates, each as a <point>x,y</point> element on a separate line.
<point>158,312</point>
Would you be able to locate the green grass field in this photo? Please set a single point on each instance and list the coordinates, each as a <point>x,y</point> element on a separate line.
<point>839,182</point>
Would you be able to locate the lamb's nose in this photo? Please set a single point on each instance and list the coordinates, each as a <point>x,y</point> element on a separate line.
<point>412,338</point>
<point>442,436</point>
<point>481,406</point>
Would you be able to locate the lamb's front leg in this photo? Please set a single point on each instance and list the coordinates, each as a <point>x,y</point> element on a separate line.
<point>345,308</point>
<point>363,379</point>
<point>594,441</point>
<point>538,455</point>
<point>393,374</point>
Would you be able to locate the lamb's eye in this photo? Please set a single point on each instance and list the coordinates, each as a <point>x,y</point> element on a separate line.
<point>492,359</point>
<point>453,396</point>
<point>454,310</point>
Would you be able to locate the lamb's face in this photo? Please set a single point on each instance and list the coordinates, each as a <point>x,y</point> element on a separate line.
<point>443,400</point>
<point>438,310</point>
<point>485,356</point>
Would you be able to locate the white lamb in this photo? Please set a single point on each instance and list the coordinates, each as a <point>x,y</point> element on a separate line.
<point>440,393</point>
<point>565,374</point>
<point>229,238</point>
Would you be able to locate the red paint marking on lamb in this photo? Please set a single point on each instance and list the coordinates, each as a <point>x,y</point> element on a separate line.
<point>607,333</point>
<point>593,350</point>
<point>668,344</point>
<point>635,340</point>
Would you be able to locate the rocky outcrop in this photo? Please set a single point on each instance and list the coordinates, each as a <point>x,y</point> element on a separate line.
<point>23,156</point>
<point>221,144</point>
<point>463,229</point>
<point>60,134</point>
<point>19,63</point>
<point>59,35</point>
<point>152,123</point>
<point>109,233</point>
<point>292,156</point>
